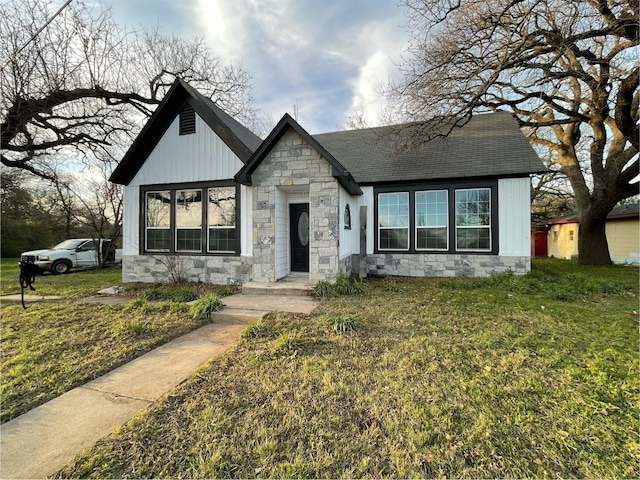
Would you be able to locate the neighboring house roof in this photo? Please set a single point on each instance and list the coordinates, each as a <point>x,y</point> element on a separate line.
<point>287,122</point>
<point>621,212</point>
<point>236,136</point>
<point>488,145</point>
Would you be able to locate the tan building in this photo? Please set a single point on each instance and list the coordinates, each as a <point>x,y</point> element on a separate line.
<point>623,235</point>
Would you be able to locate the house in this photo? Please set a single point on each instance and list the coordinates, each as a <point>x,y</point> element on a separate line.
<point>204,196</point>
<point>622,230</point>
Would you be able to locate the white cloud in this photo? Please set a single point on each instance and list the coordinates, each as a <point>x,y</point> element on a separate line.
<point>328,58</point>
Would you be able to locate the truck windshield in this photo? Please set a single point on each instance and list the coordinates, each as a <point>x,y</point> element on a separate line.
<point>70,244</point>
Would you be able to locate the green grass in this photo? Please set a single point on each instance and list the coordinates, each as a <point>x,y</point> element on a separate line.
<point>468,378</point>
<point>76,284</point>
<point>52,347</point>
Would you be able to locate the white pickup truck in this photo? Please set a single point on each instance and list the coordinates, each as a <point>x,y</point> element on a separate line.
<point>72,253</point>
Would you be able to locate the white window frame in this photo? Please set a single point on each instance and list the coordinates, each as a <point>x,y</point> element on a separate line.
<point>222,227</point>
<point>408,227</point>
<point>446,225</point>
<point>146,221</point>
<point>484,227</point>
<point>177,228</point>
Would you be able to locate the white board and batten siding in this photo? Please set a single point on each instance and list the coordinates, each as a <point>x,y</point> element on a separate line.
<point>514,216</point>
<point>350,239</point>
<point>209,159</point>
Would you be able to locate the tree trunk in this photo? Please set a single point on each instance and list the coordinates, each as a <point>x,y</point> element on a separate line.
<point>593,248</point>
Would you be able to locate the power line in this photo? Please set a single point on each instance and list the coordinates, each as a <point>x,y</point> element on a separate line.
<point>33,37</point>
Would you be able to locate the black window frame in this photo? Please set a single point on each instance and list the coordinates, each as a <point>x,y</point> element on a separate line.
<point>451,187</point>
<point>173,188</point>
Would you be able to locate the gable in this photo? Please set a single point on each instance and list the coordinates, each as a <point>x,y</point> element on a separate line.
<point>287,123</point>
<point>240,140</point>
<point>199,157</point>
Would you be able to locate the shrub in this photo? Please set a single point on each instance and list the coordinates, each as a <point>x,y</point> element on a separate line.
<point>204,306</point>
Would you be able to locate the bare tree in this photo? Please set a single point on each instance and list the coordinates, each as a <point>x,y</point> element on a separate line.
<point>85,84</point>
<point>551,197</point>
<point>100,206</point>
<point>567,70</point>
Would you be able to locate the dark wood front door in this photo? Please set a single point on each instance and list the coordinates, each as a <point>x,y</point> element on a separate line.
<point>299,233</point>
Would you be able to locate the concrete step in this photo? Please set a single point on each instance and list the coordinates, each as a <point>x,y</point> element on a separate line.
<point>241,314</point>
<point>277,288</point>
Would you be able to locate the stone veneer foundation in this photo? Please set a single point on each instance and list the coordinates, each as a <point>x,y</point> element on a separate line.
<point>215,270</point>
<point>445,265</point>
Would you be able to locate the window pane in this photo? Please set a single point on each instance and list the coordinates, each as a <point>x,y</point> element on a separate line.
<point>188,240</point>
<point>158,239</point>
<point>189,208</point>
<point>473,219</point>
<point>432,220</point>
<point>393,209</point>
<point>222,207</point>
<point>222,239</point>
<point>158,209</point>
<point>394,239</point>
<point>393,221</point>
<point>473,207</point>
<point>473,239</point>
<point>432,238</point>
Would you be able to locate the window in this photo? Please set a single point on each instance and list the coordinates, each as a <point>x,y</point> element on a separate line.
<point>438,217</point>
<point>222,219</point>
<point>178,221</point>
<point>571,236</point>
<point>432,224</point>
<point>158,214</point>
<point>393,221</point>
<point>187,120</point>
<point>347,217</point>
<point>473,219</point>
<point>189,220</point>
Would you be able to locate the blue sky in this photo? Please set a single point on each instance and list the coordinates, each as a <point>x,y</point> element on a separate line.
<point>328,58</point>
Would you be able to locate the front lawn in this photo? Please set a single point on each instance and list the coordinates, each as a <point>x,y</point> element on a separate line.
<point>52,347</point>
<point>515,377</point>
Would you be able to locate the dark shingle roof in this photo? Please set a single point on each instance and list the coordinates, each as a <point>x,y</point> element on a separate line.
<point>236,136</point>
<point>489,145</point>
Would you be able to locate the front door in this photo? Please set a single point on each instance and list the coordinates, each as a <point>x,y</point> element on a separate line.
<point>299,233</point>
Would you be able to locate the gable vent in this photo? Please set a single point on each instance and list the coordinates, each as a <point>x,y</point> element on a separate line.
<point>187,120</point>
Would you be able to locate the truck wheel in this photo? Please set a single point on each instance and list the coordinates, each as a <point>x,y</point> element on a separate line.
<point>60,267</point>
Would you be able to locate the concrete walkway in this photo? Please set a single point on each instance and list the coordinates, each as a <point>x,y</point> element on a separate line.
<point>42,441</point>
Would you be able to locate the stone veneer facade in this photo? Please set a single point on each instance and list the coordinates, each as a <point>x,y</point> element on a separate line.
<point>444,265</point>
<point>294,166</point>
<point>206,269</point>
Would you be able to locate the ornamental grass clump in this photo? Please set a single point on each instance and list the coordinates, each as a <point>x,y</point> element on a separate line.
<point>343,286</point>
<point>205,306</point>
<point>343,323</point>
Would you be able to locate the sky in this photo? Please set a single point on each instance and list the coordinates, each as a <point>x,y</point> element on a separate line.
<point>321,59</point>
